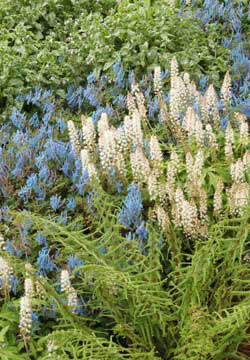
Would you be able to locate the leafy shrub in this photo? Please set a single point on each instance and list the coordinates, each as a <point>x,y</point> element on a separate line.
<point>34,44</point>
<point>56,43</point>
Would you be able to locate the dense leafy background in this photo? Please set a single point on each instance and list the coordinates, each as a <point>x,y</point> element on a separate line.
<point>54,43</point>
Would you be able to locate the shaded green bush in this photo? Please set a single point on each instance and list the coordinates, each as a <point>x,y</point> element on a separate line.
<point>58,42</point>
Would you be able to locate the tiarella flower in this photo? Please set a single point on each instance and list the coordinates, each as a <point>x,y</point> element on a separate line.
<point>72,300</point>
<point>5,273</point>
<point>65,281</point>
<point>217,201</point>
<point>25,317</point>
<point>157,80</point>
<point>74,139</point>
<point>226,90</point>
<point>152,186</point>
<point>88,133</point>
<point>140,165</point>
<point>2,242</point>
<point>29,288</point>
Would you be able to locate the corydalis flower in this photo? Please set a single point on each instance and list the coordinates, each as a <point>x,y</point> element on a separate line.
<point>130,215</point>
<point>44,262</point>
<point>56,202</point>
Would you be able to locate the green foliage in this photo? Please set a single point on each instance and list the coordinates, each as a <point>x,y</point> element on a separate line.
<point>57,42</point>
<point>33,37</point>
<point>143,36</point>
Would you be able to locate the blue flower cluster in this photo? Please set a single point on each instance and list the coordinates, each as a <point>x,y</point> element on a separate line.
<point>230,14</point>
<point>131,216</point>
<point>44,262</point>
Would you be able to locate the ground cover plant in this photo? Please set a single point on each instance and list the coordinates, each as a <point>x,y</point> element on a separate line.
<point>55,43</point>
<point>122,236</point>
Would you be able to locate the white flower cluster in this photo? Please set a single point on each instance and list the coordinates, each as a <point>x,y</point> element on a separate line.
<point>25,317</point>
<point>88,133</point>
<point>229,142</point>
<point>140,165</point>
<point>2,242</point>
<point>217,200</point>
<point>157,80</point>
<point>51,348</point>
<point>140,101</point>
<point>5,272</point>
<point>69,290</point>
<point>244,128</point>
<point>162,218</point>
<point>185,214</point>
<point>239,197</point>
<point>171,175</point>
<point>87,164</point>
<point>73,136</point>
<point>193,120</point>
<point>226,89</point>
<point>194,171</point>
